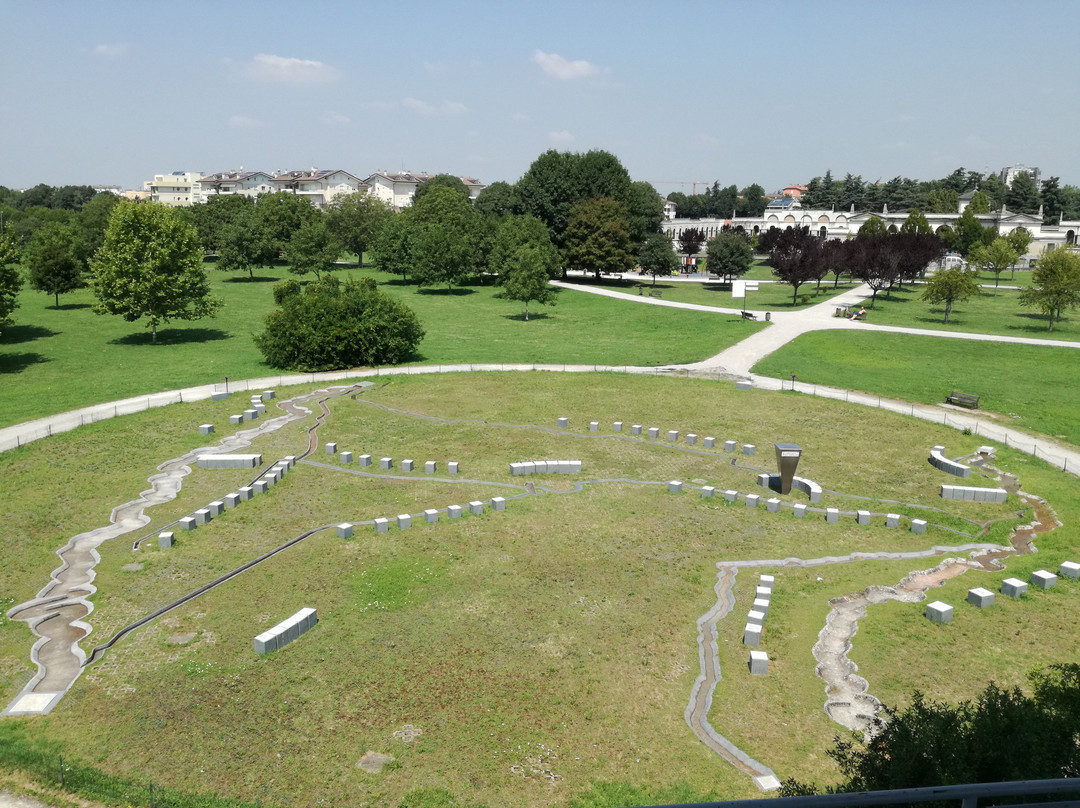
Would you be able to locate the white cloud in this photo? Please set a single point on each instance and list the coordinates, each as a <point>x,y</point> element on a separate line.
<point>335,119</point>
<point>110,51</point>
<point>243,122</point>
<point>561,136</point>
<point>564,69</point>
<point>447,108</point>
<point>267,67</point>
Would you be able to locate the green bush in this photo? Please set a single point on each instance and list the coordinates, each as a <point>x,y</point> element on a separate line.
<point>334,325</point>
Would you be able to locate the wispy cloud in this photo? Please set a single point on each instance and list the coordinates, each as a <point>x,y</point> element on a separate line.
<point>561,136</point>
<point>110,50</point>
<point>335,119</point>
<point>565,69</point>
<point>289,70</point>
<point>445,108</point>
<point>244,122</point>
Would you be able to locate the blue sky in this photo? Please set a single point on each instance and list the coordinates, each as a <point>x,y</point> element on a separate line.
<point>115,92</point>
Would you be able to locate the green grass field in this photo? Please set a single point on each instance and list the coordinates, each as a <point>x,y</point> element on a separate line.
<point>541,650</point>
<point>53,360</point>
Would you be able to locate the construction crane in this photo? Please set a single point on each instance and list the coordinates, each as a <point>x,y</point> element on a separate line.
<point>692,183</point>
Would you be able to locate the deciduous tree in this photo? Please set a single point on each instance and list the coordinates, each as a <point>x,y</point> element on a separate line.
<point>690,241</point>
<point>729,255</point>
<point>445,238</point>
<point>312,248</point>
<point>597,238</point>
<point>795,256</point>
<point>657,258</point>
<point>1055,284</point>
<point>54,267</point>
<point>526,277</point>
<point>10,279</point>
<point>916,222</point>
<point>1023,195</point>
<point>996,257</point>
<point>949,286</point>
<point>441,181</point>
<point>355,221</point>
<point>150,266</point>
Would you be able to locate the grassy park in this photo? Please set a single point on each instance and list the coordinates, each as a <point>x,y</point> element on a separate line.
<point>537,670</point>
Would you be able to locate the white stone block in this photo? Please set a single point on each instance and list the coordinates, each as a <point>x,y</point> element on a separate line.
<point>754,616</point>
<point>892,520</point>
<point>772,505</point>
<point>708,491</point>
<point>691,439</point>
<point>862,517</point>
<point>529,467</point>
<point>752,500</point>
<point>762,592</point>
<point>730,445</point>
<point>165,540</point>
<point>749,449</point>
<point>382,525</point>
<point>345,457</point>
<point>709,442</point>
<point>270,479</point>
<point>654,432</point>
<point>635,429</point>
<point>386,463</point>
<point>617,426</point>
<point>1043,579</point>
<point>218,396</point>
<point>744,385</point>
<point>1013,587</point>
<point>404,521</point>
<point>799,509</point>
<point>268,395</point>
<point>187,523</point>
<point>235,420</point>
<point>832,515</point>
<point>246,492</point>
<point>203,516</point>
<point>939,612</point>
<point>452,467</point>
<point>453,511</point>
<point>498,503</point>
<point>564,423</point>
<point>767,580</point>
<point>575,467</point>
<point>364,460</point>
<point>731,496</point>
<point>206,429</point>
<point>344,530</point>
<point>407,465</point>
<point>674,487</point>
<point>752,635</point>
<point>759,663</point>
<point>515,469</point>
<point>216,508</point>
<point>430,466</point>
<point>980,597</point>
<point>260,486</point>
<point>761,605</point>
<point>673,435</point>
<point>594,426</point>
<point>763,479</point>
<point>918,525</point>
<point>431,516</point>
<point>1069,569</point>
<point>331,448</point>
<point>232,500</point>
<point>476,507</point>
<point>251,415</point>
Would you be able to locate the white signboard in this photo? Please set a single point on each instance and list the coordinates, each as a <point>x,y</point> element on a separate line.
<point>738,288</point>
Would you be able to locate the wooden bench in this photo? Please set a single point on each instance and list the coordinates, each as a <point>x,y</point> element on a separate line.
<point>963,400</point>
<point>655,293</point>
<point>749,315</point>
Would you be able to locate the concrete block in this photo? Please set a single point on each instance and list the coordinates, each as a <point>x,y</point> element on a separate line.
<point>270,479</point>
<point>187,523</point>
<point>364,460</point>
<point>382,525</point>
<point>498,503</point>
<point>345,457</point>
<point>452,467</point>
<point>708,491</point>
<point>673,435</point>
<point>575,467</point>
<point>767,580</point>
<point>344,530</point>
<point>762,593</point>
<point>246,492</point>
<point>749,449</point>
<point>230,461</point>
<point>256,398</point>
<point>165,539</point>
<point>251,415</point>
<point>269,395</point>
<point>892,520</point>
<point>1013,587</point>
<point>862,517</point>
<point>216,508</point>
<point>331,448</point>
<point>236,420</point>
<point>594,426</point>
<point>761,605</point>
<point>674,487</point>
<point>654,432</point>
<point>290,459</point>
<point>691,439</point>
<point>918,525</point>
<point>564,423</point>
<point>938,612</point>
<point>266,642</point>
<point>763,479</point>
<point>404,521</point>
<point>832,515</point>
<point>260,486</point>
<point>744,385</point>
<point>752,635</point>
<point>759,663</point>
<point>202,516</point>
<point>986,450</point>
<point>755,616</point>
<point>617,426</point>
<point>635,429</point>
<point>752,500</point>
<point>730,445</point>
<point>529,467</point>
<point>476,507</point>
<point>407,465</point>
<point>431,516</point>
<point>430,466</point>
<point>453,511</point>
<point>709,442</point>
<point>218,396</point>
<point>515,469</point>
<point>772,505</point>
<point>1043,579</point>
<point>1069,569</point>
<point>232,500</point>
<point>206,429</point>
<point>799,509</point>
<point>731,496</point>
<point>980,597</point>
<point>386,463</point>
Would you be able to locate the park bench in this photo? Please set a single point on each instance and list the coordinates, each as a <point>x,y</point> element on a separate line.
<point>655,293</point>
<point>749,315</point>
<point>963,400</point>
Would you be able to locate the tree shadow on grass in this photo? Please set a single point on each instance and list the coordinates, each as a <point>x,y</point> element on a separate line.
<point>533,315</point>
<point>457,291</point>
<point>173,336</point>
<point>70,306</point>
<point>256,279</point>
<point>16,363</point>
<point>15,334</point>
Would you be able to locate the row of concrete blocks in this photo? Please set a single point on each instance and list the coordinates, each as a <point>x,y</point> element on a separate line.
<point>431,516</point>
<point>808,487</point>
<point>973,494</point>
<point>286,631</point>
<point>939,461</point>
<point>266,394</point>
<point>203,516</point>
<point>387,463</point>
<point>546,467</point>
<point>939,612</point>
<point>691,438</point>
<point>755,618</point>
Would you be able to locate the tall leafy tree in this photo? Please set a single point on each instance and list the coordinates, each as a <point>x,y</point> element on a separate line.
<point>280,214</point>
<point>943,200</point>
<point>90,223</point>
<point>645,211</point>
<point>514,233</point>
<point>1053,199</point>
<point>979,204</point>
<point>690,240</point>
<point>657,258</point>
<point>392,250</point>
<point>1023,195</point>
<point>440,181</point>
<point>751,201</point>
<point>795,256</point>
<point>994,188</point>
<point>597,238</point>
<point>355,221</point>
<point>916,222</point>
<point>221,213</point>
<point>445,238</point>
<point>995,257</point>
<point>967,231</point>
<point>1020,239</point>
<point>1055,284</point>
<point>949,286</point>
<point>525,277</point>
<point>150,266</point>
<point>729,255</point>
<point>312,248</point>
<point>874,226</point>
<point>497,199</point>
<point>10,279</point>
<point>54,267</point>
<point>243,244</point>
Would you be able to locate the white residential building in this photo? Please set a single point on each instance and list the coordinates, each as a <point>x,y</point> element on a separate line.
<point>175,190</point>
<point>397,190</point>
<point>243,183</point>
<point>320,186</point>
